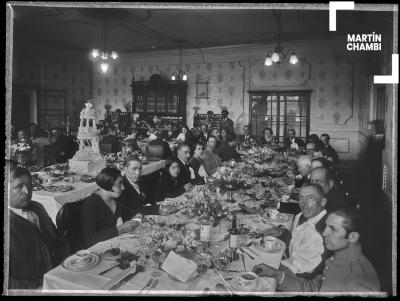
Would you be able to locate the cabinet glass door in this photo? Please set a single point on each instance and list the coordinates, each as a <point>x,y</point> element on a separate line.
<point>173,104</point>
<point>151,102</point>
<point>161,102</point>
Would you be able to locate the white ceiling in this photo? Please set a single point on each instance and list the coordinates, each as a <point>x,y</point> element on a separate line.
<point>136,30</point>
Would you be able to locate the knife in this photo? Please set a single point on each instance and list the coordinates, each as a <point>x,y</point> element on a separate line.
<point>241,249</point>
<point>155,283</point>
<point>128,277</point>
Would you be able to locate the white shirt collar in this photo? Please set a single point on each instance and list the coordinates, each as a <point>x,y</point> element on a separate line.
<point>18,211</point>
<point>134,185</point>
<point>182,161</point>
<point>315,219</point>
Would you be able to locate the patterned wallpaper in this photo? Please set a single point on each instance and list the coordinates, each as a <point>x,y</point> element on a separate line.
<point>225,86</point>
<point>75,78</point>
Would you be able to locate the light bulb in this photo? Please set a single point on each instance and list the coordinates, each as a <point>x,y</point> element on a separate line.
<point>268,61</point>
<point>114,55</point>
<point>184,76</point>
<point>173,77</point>
<point>275,57</point>
<point>95,53</point>
<point>104,67</point>
<point>104,55</point>
<point>293,59</point>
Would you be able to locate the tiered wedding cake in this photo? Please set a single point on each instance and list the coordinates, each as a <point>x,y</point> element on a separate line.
<point>88,159</point>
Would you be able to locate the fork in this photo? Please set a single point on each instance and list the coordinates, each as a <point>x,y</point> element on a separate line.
<point>147,284</point>
<point>155,283</point>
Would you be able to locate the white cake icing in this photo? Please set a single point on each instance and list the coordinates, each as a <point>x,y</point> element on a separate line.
<point>88,159</point>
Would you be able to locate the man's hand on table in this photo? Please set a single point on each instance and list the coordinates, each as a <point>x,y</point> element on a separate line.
<point>128,226</point>
<point>264,270</point>
<point>275,231</point>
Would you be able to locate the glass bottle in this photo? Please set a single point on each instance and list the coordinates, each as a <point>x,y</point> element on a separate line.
<point>233,238</point>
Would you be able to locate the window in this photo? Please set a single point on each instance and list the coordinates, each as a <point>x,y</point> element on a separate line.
<point>281,111</point>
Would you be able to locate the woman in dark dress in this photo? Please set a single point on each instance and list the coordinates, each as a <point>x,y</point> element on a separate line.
<point>101,214</point>
<point>197,164</point>
<point>168,186</point>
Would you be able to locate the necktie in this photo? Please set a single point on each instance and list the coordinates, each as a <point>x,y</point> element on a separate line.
<point>302,220</point>
<point>32,217</point>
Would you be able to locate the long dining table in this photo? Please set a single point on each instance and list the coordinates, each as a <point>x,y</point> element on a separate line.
<point>53,201</point>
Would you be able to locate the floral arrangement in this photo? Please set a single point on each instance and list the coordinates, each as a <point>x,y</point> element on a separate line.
<point>22,147</point>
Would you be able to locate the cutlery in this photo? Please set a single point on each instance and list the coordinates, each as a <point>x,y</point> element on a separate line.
<point>250,250</point>
<point>241,249</point>
<point>109,269</point>
<point>244,265</point>
<point>249,244</point>
<point>147,284</point>
<point>139,268</point>
<point>155,283</point>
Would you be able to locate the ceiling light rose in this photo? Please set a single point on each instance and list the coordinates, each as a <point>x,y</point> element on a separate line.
<point>293,59</point>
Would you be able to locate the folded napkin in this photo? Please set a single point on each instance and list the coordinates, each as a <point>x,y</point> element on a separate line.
<point>179,267</point>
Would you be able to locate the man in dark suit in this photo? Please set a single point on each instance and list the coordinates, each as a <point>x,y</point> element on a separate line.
<point>185,176</point>
<point>246,138</point>
<point>293,142</point>
<point>226,151</point>
<point>225,122</point>
<point>325,178</point>
<point>165,146</point>
<point>203,136</point>
<point>63,147</point>
<point>170,133</point>
<point>325,138</point>
<point>35,244</point>
<point>112,139</point>
<point>133,200</point>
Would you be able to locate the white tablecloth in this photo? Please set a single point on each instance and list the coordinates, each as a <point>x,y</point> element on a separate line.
<point>53,201</point>
<point>61,279</point>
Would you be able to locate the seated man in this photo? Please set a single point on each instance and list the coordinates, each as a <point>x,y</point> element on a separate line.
<point>306,251</point>
<point>131,141</point>
<point>217,134</point>
<point>165,146</point>
<point>112,139</point>
<point>133,200</point>
<point>171,133</point>
<point>348,270</point>
<point>292,142</point>
<point>204,133</point>
<point>303,166</point>
<point>325,178</point>
<point>186,174</point>
<point>329,149</point>
<point>35,244</point>
<point>245,138</point>
<point>226,151</point>
<point>210,158</point>
<point>310,148</point>
<point>62,149</point>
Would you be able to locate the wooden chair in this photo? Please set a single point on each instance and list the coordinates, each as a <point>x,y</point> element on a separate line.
<point>69,224</point>
<point>106,148</point>
<point>155,151</point>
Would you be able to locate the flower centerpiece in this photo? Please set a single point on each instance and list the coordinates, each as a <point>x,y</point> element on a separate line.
<point>22,152</point>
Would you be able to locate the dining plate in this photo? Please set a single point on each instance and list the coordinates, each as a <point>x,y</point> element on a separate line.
<point>261,286</point>
<point>276,248</point>
<point>280,218</point>
<point>72,264</point>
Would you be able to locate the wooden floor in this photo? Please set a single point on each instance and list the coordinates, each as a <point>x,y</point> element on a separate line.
<point>376,217</point>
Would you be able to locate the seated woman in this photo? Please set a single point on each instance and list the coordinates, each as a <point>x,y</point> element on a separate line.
<point>226,151</point>
<point>39,140</point>
<point>131,141</point>
<point>168,185</point>
<point>197,165</point>
<point>268,139</point>
<point>101,214</point>
<point>185,136</point>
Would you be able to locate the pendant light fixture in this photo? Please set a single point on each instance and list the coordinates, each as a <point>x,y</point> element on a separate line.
<point>181,75</point>
<point>278,55</point>
<point>103,55</point>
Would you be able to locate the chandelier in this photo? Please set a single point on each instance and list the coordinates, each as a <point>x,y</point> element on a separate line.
<point>103,56</point>
<point>278,55</point>
<point>181,75</point>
